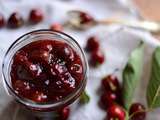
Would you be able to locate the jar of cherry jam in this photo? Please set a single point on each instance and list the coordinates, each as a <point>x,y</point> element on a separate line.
<point>45,70</point>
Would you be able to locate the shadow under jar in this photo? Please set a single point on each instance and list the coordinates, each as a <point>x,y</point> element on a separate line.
<point>45,71</point>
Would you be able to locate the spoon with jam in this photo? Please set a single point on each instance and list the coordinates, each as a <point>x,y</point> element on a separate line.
<point>82,20</point>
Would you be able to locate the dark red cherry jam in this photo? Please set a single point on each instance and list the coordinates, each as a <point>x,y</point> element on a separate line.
<point>46,71</point>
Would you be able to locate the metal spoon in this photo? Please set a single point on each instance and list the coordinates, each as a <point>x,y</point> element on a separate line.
<point>150,26</point>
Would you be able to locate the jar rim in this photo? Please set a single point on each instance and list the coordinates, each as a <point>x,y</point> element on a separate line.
<point>66,100</point>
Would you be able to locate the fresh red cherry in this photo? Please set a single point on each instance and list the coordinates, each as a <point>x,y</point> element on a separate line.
<point>97,58</point>
<point>111,83</point>
<point>36,16</point>
<point>137,110</point>
<point>64,113</point>
<point>15,20</point>
<point>85,18</point>
<point>92,44</point>
<point>115,112</point>
<point>56,27</point>
<point>108,99</point>
<point>2,21</point>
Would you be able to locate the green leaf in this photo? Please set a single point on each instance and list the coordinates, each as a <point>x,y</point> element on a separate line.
<point>84,98</point>
<point>153,89</point>
<point>131,75</point>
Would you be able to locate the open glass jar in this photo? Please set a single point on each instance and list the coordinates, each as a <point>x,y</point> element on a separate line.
<point>28,39</point>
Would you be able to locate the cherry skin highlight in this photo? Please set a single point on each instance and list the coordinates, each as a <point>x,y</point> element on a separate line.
<point>115,112</point>
<point>111,83</point>
<point>108,99</point>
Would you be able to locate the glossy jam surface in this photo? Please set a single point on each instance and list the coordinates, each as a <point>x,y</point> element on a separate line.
<point>46,71</point>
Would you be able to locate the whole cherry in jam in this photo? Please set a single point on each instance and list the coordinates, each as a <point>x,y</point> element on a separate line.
<point>15,20</point>
<point>108,99</point>
<point>36,16</point>
<point>115,112</point>
<point>56,27</point>
<point>111,83</point>
<point>43,56</point>
<point>2,21</point>
<point>92,44</point>
<point>137,112</point>
<point>46,70</point>
<point>97,58</point>
<point>64,52</point>
<point>64,113</point>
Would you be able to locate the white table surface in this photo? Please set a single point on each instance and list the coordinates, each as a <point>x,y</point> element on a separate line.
<point>117,42</point>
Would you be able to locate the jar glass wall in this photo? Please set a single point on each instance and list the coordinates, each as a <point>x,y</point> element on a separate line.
<point>36,36</point>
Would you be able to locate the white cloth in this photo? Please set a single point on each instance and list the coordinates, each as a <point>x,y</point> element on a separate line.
<point>117,42</point>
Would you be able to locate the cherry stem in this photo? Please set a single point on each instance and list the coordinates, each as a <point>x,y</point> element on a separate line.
<point>146,110</point>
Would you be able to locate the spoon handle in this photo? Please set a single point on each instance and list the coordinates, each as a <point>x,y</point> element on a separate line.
<point>153,27</point>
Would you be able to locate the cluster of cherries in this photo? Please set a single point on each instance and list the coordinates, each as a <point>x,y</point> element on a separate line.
<point>35,16</point>
<point>16,20</point>
<point>112,102</point>
<point>93,46</point>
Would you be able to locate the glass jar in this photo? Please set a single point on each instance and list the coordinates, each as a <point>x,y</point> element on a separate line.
<point>32,37</point>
